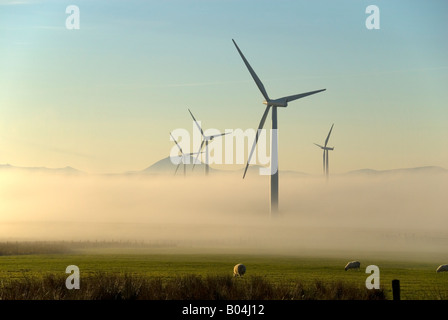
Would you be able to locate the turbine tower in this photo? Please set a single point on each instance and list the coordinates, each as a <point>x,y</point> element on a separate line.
<point>325,157</point>
<point>274,103</point>
<point>205,140</point>
<point>183,156</point>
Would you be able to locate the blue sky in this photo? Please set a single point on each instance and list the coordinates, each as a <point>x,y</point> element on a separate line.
<point>105,97</point>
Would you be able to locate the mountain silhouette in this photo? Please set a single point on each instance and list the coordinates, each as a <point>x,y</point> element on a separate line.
<point>424,170</point>
<point>166,166</point>
<point>65,170</point>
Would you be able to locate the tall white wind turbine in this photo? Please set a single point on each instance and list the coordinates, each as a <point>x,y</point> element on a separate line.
<point>325,157</point>
<point>274,103</point>
<point>205,140</point>
<point>183,157</point>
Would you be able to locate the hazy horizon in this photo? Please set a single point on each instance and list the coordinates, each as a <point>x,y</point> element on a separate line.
<point>199,170</point>
<point>403,212</point>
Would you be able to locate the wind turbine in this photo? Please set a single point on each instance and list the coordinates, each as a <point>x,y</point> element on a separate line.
<point>182,156</point>
<point>206,140</point>
<point>274,103</point>
<point>325,157</point>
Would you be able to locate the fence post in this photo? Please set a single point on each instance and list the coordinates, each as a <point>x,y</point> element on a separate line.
<point>396,289</point>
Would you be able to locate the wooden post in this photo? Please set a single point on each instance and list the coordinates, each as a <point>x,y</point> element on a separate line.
<point>396,289</point>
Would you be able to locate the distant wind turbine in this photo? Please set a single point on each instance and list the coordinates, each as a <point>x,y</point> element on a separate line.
<point>183,157</point>
<point>280,102</point>
<point>205,140</point>
<point>326,149</point>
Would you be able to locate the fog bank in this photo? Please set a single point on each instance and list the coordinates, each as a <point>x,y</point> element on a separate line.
<point>393,212</point>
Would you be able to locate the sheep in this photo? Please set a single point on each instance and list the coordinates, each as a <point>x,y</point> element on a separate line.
<point>442,267</point>
<point>239,270</point>
<point>352,265</point>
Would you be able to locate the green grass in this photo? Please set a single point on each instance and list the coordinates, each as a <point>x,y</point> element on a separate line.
<point>418,280</point>
<point>104,286</point>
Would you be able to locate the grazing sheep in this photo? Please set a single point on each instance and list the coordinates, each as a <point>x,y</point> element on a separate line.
<point>239,270</point>
<point>352,265</point>
<point>442,267</point>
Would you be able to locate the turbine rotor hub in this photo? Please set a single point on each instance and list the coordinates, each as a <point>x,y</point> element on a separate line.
<point>276,103</point>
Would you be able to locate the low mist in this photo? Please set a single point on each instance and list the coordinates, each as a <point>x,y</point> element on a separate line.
<point>404,212</point>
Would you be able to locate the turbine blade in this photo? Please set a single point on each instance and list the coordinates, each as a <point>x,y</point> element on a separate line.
<point>253,74</point>
<point>177,168</point>
<point>177,144</point>
<point>219,135</point>
<point>193,153</point>
<point>199,151</point>
<point>301,95</point>
<point>328,137</point>
<point>200,129</point>
<point>319,145</point>
<point>260,126</point>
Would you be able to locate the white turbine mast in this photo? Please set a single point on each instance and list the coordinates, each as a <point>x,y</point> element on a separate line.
<point>274,103</point>
<point>205,140</point>
<point>182,156</point>
<point>325,156</point>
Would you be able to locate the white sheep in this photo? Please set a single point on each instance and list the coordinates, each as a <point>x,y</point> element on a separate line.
<point>442,267</point>
<point>352,265</point>
<point>239,270</point>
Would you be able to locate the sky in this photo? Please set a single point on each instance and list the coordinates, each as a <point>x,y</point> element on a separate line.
<point>103,98</point>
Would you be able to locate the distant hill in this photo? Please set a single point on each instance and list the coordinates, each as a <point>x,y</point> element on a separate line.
<point>425,170</point>
<point>65,170</point>
<point>166,166</point>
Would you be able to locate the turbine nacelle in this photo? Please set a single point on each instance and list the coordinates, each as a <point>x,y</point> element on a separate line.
<point>324,148</point>
<point>276,103</point>
<point>210,138</point>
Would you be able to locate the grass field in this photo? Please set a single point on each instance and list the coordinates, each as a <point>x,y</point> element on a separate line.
<point>418,279</point>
